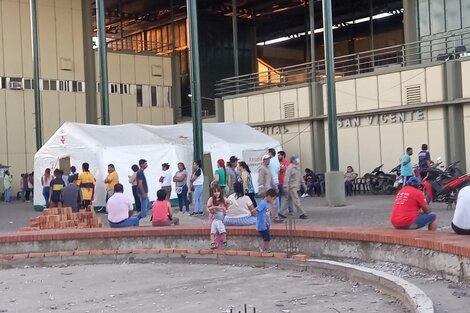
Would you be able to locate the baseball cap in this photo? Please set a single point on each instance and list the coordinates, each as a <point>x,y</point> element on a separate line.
<point>295,158</point>
<point>266,156</point>
<point>414,181</point>
<point>233,159</point>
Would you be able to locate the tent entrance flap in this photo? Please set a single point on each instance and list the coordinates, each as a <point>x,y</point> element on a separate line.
<point>64,165</point>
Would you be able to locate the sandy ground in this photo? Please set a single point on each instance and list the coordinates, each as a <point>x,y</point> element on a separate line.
<point>183,288</point>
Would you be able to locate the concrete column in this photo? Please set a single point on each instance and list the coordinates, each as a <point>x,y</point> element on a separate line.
<point>89,63</point>
<point>455,135</point>
<point>219,110</point>
<point>410,30</point>
<point>176,86</point>
<point>318,129</point>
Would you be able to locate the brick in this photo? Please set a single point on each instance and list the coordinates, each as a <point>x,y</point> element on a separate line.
<point>255,253</point>
<point>193,251</point>
<point>96,252</point>
<point>270,254</point>
<point>300,257</point>
<point>124,251</point>
<point>81,252</point>
<point>179,251</point>
<point>280,255</point>
<point>36,255</point>
<point>20,256</point>
<point>6,257</point>
<point>109,252</point>
<point>230,252</point>
<point>167,250</point>
<point>66,253</point>
<point>51,254</point>
<point>22,229</point>
<point>206,251</point>
<point>243,253</point>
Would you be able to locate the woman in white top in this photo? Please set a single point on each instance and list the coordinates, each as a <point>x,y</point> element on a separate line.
<point>46,185</point>
<point>241,211</point>
<point>197,183</point>
<point>165,180</point>
<point>180,179</point>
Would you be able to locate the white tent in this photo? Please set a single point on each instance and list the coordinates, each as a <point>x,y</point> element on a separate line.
<point>124,145</point>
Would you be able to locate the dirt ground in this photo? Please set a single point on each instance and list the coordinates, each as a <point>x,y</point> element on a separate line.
<point>183,288</point>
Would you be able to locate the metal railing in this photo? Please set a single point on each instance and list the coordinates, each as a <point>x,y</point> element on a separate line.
<point>442,48</point>
<point>139,46</point>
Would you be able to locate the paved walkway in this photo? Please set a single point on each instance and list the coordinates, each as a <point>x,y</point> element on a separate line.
<point>361,210</point>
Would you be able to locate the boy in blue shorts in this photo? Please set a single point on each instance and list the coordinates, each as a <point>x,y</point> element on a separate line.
<point>263,218</point>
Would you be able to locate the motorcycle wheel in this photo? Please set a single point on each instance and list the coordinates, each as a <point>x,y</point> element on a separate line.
<point>388,188</point>
<point>373,189</point>
<point>427,196</point>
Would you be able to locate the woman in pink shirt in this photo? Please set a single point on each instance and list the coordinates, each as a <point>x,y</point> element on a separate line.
<point>161,211</point>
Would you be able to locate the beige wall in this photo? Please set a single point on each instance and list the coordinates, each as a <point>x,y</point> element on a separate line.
<point>388,121</point>
<point>295,137</point>
<point>61,59</point>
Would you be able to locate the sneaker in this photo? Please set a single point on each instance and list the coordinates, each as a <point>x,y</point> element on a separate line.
<point>213,246</point>
<point>281,216</point>
<point>278,220</point>
<point>262,250</point>
<point>193,213</point>
<point>303,217</point>
<point>225,244</point>
<point>200,213</point>
<point>305,195</point>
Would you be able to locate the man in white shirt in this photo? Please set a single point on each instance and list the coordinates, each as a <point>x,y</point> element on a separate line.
<point>461,221</point>
<point>119,209</point>
<point>275,168</point>
<point>165,179</point>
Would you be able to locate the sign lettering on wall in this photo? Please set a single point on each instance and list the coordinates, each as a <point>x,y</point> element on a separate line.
<point>273,129</point>
<point>382,119</point>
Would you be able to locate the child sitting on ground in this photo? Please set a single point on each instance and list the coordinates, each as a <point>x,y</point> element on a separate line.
<point>217,207</point>
<point>161,211</point>
<point>263,220</point>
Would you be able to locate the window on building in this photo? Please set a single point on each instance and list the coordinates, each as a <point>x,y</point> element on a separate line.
<point>153,96</point>
<point>139,95</point>
<point>53,85</point>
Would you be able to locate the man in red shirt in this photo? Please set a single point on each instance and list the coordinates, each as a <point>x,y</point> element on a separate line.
<point>281,156</point>
<point>410,210</point>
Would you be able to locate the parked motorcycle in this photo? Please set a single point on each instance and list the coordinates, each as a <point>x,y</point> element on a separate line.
<point>444,185</point>
<point>381,182</point>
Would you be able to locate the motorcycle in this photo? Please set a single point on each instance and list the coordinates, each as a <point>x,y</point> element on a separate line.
<point>381,182</point>
<point>444,185</point>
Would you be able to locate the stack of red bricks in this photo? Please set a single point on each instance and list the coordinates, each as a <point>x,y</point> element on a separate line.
<point>62,218</point>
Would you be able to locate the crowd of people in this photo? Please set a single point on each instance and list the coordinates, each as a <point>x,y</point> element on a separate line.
<point>232,193</point>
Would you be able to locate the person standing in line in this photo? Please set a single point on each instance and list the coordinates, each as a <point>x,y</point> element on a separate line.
<point>283,164</point>
<point>275,168</point>
<point>73,172</point>
<point>292,184</point>
<point>7,178</point>
<point>181,179</point>
<point>46,185</point>
<point>266,182</point>
<point>57,184</point>
<point>30,190</point>
<point>133,182</point>
<point>71,195</point>
<point>424,160</point>
<point>165,179</point>
<point>220,177</point>
<point>161,211</point>
<point>197,183</point>
<point>263,220</point>
<point>142,189</point>
<point>406,166</point>
<point>111,180</point>
<point>233,174</point>
<point>23,186</point>
<point>247,181</point>
<point>119,209</point>
<point>86,181</point>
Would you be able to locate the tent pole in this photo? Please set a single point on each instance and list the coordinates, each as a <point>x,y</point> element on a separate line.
<point>195,81</point>
<point>37,92</point>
